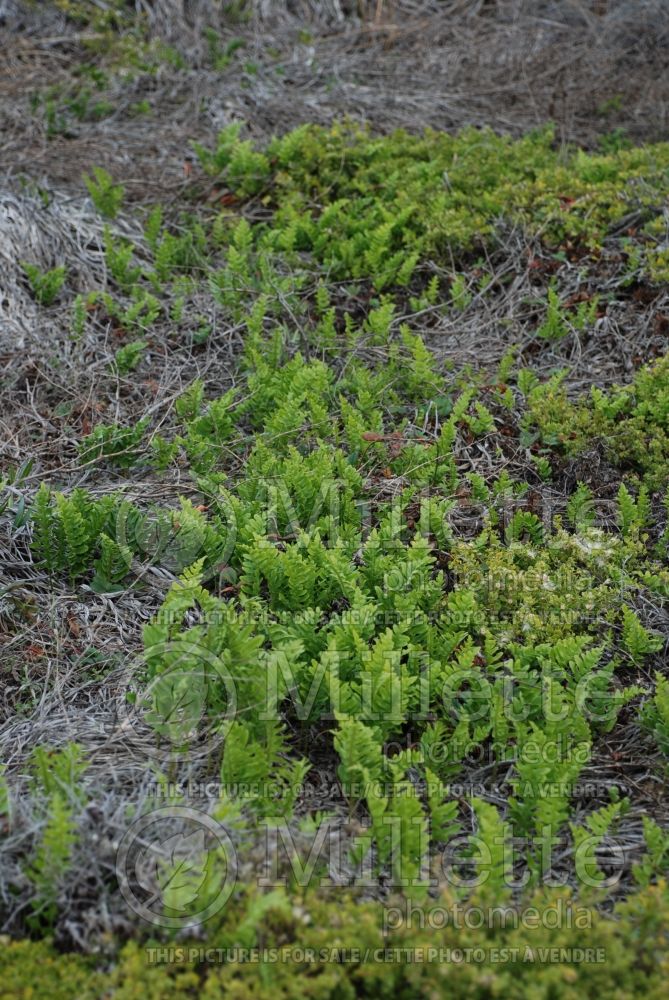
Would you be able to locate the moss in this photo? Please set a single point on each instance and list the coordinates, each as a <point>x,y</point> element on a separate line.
<point>338,949</point>
<point>30,970</point>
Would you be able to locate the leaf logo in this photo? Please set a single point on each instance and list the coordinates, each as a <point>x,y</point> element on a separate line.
<point>180,880</point>
<point>167,690</point>
<point>181,869</point>
<point>177,702</point>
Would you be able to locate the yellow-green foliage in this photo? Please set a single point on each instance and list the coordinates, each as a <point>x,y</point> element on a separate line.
<point>30,970</point>
<point>383,537</point>
<point>388,201</point>
<point>627,955</point>
<point>632,422</point>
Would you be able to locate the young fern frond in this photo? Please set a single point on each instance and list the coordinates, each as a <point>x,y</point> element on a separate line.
<point>444,824</point>
<point>52,859</point>
<point>47,538</point>
<point>655,860</point>
<point>489,849</point>
<point>360,757</point>
<point>579,507</point>
<point>588,838</point>
<point>639,642</point>
<point>655,713</point>
<point>632,514</point>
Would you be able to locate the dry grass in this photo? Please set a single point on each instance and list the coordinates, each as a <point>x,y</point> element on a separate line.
<point>511,64</point>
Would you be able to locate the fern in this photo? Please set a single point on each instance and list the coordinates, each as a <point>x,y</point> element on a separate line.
<point>579,507</point>
<point>105,195</point>
<point>360,758</point>
<point>444,824</point>
<point>489,851</point>
<point>481,421</point>
<point>554,326</point>
<point>79,316</point>
<point>120,444</point>
<point>632,515</point>
<point>546,770</point>
<point>66,530</point>
<point>57,774</point>
<point>655,860</point>
<point>523,523</point>
<point>421,380</point>
<point>406,843</point>
<point>76,541</point>
<point>588,838</point>
<point>45,284</point>
<point>142,313</point>
<point>59,771</point>
<point>655,713</point>
<point>461,297</point>
<point>52,859</point>
<point>153,227</point>
<point>128,357</point>
<point>255,769</point>
<point>379,321</point>
<point>111,566</point>
<point>189,403</point>
<point>637,640</point>
<point>399,832</point>
<point>118,256</point>
<point>47,539</point>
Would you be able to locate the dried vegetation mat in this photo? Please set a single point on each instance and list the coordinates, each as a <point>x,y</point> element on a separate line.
<point>334,499</point>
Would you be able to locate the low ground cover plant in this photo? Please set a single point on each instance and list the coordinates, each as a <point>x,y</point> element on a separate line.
<point>442,588</point>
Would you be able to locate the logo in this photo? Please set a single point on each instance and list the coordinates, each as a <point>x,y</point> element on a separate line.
<point>176,867</point>
<point>167,696</point>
